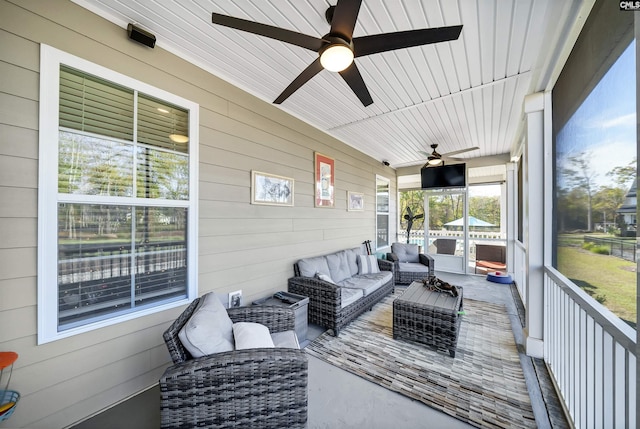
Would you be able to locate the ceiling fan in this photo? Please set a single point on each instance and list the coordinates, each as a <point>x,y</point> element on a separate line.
<point>337,49</point>
<point>434,158</point>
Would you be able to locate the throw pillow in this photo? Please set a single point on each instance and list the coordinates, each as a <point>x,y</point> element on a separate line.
<point>368,264</point>
<point>209,329</point>
<point>251,335</point>
<point>324,277</point>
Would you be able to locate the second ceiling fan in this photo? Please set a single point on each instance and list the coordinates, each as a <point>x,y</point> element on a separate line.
<point>337,49</point>
<point>435,158</point>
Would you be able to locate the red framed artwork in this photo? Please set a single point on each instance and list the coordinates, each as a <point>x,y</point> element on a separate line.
<point>325,173</point>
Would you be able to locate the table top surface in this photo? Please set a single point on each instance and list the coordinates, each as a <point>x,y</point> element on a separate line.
<point>419,294</point>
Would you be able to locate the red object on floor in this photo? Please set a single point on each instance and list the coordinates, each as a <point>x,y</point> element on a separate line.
<point>499,277</point>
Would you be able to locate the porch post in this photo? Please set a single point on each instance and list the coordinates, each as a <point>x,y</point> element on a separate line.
<point>534,224</point>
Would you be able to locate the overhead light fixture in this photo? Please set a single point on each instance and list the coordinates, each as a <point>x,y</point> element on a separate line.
<point>337,56</point>
<point>434,161</point>
<point>178,138</point>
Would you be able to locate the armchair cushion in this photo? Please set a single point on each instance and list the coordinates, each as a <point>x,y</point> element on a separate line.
<point>285,339</point>
<point>250,335</point>
<point>368,264</point>
<point>209,329</point>
<point>406,252</point>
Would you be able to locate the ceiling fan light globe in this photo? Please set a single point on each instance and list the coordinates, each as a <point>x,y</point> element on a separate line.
<point>336,57</point>
<point>178,138</point>
<point>434,161</point>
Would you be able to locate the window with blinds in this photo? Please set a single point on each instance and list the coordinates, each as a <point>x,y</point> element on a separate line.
<point>124,202</point>
<point>382,212</point>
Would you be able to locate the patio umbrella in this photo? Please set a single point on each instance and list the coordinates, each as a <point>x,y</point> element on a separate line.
<point>473,221</point>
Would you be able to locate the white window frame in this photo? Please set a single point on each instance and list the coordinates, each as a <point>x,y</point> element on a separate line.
<point>50,61</point>
<point>387,213</point>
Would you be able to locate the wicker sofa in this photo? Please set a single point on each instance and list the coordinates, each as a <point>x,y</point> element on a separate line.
<point>341,285</point>
<point>250,388</point>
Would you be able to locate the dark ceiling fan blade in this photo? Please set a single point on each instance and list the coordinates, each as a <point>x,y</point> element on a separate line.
<point>367,45</point>
<point>313,69</point>
<point>288,36</point>
<point>352,76</point>
<point>344,18</point>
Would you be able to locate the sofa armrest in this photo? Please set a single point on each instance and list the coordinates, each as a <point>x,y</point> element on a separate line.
<point>219,364</point>
<point>392,257</point>
<point>277,319</point>
<point>320,292</point>
<point>426,260</point>
<point>385,265</point>
<point>243,384</point>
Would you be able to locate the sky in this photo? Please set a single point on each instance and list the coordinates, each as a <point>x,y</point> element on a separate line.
<point>604,126</point>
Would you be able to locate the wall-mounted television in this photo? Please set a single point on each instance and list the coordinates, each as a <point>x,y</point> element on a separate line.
<point>444,176</point>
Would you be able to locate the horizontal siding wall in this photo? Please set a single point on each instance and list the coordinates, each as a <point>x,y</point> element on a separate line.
<point>241,246</point>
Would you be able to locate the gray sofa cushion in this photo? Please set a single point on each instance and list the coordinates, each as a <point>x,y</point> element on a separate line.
<point>352,259</point>
<point>338,266</point>
<point>406,252</point>
<point>310,266</point>
<point>349,296</point>
<point>366,282</point>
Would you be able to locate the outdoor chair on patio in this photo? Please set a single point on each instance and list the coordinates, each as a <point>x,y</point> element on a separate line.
<point>446,246</point>
<point>490,257</point>
<point>409,264</point>
<point>246,388</point>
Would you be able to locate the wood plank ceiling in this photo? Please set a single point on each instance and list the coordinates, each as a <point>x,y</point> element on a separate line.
<point>460,94</point>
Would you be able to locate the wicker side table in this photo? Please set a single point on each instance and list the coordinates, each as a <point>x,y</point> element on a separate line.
<point>428,317</point>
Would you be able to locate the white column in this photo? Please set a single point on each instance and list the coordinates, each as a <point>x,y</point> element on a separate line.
<point>534,223</point>
<point>508,215</point>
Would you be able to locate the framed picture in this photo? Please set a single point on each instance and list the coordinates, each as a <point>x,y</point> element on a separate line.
<point>355,201</point>
<point>324,178</point>
<point>271,189</point>
<point>235,299</point>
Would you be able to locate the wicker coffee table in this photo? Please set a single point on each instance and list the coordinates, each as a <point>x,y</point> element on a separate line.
<point>428,317</point>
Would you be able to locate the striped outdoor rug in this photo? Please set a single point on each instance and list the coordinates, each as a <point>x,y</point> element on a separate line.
<point>483,385</point>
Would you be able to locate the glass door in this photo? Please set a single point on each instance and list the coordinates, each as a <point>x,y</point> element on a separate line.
<point>445,227</point>
<point>487,229</point>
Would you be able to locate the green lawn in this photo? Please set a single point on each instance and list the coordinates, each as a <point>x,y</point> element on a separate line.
<point>609,279</point>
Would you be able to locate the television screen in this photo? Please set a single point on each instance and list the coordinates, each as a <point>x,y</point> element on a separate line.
<point>444,176</point>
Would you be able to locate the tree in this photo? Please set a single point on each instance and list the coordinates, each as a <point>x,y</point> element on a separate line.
<point>623,176</point>
<point>580,175</point>
<point>606,201</point>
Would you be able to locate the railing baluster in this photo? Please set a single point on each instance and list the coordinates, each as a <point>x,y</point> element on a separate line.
<point>591,356</point>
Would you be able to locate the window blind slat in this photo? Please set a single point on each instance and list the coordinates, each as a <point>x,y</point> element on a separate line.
<point>88,103</point>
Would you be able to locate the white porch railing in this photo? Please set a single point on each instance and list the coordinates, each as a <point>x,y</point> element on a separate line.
<point>591,354</point>
<point>417,236</point>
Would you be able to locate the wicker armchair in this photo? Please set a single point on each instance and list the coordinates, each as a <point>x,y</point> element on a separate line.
<point>409,265</point>
<point>253,388</point>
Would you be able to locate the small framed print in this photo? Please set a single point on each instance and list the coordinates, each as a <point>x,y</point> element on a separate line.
<point>355,201</point>
<point>271,189</point>
<point>235,299</point>
<point>324,180</point>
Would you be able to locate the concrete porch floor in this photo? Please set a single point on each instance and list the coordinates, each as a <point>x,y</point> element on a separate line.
<point>340,399</point>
